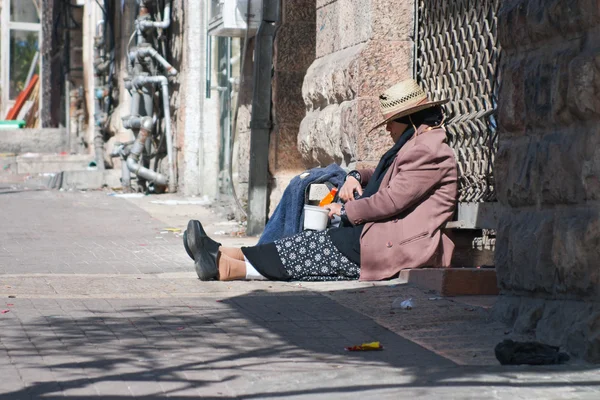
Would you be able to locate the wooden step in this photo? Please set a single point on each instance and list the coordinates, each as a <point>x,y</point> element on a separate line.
<point>453,281</point>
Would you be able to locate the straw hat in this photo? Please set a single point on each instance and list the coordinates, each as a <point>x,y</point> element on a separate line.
<point>402,99</point>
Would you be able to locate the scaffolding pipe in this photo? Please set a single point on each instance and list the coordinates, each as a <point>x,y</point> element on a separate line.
<point>138,82</point>
<point>133,160</point>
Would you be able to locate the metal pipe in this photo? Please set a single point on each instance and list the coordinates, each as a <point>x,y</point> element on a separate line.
<point>133,160</point>
<point>164,24</point>
<point>151,52</point>
<point>260,125</point>
<point>139,81</point>
<point>125,175</point>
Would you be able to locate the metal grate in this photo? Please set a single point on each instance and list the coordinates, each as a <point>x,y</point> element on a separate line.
<point>457,58</point>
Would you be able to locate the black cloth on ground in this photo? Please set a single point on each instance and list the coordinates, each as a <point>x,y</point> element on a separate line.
<point>265,259</point>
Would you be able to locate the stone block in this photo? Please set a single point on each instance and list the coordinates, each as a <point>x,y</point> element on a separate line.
<point>531,23</point>
<point>284,153</point>
<point>559,162</point>
<point>552,253</point>
<point>392,20</point>
<point>590,170</point>
<point>513,25</point>
<point>299,11</point>
<point>328,32</point>
<point>584,86</point>
<point>329,135</point>
<point>288,106</point>
<point>277,186</point>
<point>572,325</point>
<point>383,63</point>
<point>575,252</point>
<point>518,180</point>
<point>370,146</point>
<point>548,170</point>
<point>354,22</point>
<point>542,91</point>
<point>523,252</point>
<point>295,47</point>
<point>331,79</point>
<point>528,316</point>
<point>319,139</point>
<point>349,130</point>
<point>569,18</point>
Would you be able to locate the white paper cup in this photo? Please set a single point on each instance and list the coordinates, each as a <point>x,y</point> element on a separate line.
<point>315,218</point>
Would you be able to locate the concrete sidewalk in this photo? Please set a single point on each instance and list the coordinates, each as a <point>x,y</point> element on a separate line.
<point>102,303</point>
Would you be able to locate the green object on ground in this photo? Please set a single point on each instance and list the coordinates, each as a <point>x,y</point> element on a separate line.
<point>16,124</point>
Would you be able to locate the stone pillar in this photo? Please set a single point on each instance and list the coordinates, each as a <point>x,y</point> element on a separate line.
<point>548,170</point>
<point>362,48</point>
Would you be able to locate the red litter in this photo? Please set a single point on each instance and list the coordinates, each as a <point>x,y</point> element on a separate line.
<point>5,311</point>
<point>180,328</point>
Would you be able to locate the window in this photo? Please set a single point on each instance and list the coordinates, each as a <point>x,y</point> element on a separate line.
<point>19,48</point>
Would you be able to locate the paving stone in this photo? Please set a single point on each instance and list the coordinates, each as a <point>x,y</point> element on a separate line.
<point>97,316</point>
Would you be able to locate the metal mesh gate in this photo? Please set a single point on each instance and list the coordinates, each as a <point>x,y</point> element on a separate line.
<point>457,58</point>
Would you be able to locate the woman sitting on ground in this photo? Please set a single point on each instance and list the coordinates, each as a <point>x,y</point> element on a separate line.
<point>392,219</point>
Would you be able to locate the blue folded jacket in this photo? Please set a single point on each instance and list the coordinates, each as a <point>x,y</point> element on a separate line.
<point>287,218</point>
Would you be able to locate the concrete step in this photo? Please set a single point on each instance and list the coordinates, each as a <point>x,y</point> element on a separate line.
<point>453,281</point>
<point>44,140</point>
<point>88,180</point>
<point>34,163</point>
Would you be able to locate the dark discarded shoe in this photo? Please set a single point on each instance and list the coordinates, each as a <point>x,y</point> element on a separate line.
<point>185,245</point>
<point>509,352</point>
<point>204,251</point>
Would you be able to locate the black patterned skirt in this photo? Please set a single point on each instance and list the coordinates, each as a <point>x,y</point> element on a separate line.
<point>307,256</point>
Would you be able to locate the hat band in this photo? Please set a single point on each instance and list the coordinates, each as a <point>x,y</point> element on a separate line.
<point>397,110</point>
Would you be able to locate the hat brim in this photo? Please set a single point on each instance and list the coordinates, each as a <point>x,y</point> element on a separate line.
<point>409,111</point>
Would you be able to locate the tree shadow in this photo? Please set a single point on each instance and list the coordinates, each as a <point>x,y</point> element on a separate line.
<point>251,343</point>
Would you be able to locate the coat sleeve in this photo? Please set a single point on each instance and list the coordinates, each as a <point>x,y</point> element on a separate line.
<point>365,175</point>
<point>416,175</point>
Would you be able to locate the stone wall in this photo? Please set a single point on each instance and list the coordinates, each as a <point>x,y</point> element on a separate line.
<point>362,48</point>
<point>294,53</point>
<point>548,170</point>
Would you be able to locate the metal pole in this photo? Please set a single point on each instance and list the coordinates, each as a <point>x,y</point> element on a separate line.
<point>258,190</point>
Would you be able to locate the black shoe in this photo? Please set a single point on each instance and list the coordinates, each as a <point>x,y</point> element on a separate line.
<point>204,251</point>
<point>185,244</point>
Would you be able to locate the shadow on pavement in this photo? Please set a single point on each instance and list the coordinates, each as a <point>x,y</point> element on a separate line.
<point>253,346</point>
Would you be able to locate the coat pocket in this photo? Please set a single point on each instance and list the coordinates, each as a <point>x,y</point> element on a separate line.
<point>414,238</point>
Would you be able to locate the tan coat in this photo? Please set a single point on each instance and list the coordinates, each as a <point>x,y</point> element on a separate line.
<point>405,218</point>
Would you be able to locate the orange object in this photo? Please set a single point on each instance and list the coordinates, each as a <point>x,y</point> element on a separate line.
<point>365,347</point>
<point>21,99</point>
<point>329,198</point>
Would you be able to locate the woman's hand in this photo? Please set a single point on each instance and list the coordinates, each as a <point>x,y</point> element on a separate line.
<point>334,209</point>
<point>350,186</point>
